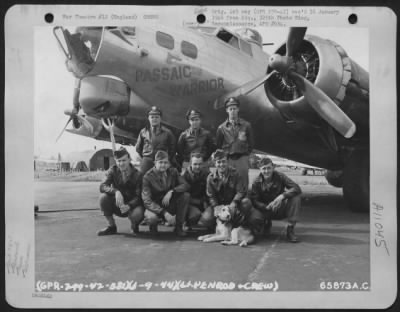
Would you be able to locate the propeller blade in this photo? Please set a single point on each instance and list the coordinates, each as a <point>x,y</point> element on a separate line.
<point>62,131</point>
<point>294,39</point>
<point>324,106</point>
<point>75,98</point>
<point>254,84</point>
<point>243,90</point>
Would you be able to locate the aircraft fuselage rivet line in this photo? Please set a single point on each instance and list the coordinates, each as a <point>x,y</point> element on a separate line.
<point>263,260</point>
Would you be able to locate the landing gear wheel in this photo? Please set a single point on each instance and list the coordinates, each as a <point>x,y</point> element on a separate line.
<point>334,177</point>
<point>356,181</point>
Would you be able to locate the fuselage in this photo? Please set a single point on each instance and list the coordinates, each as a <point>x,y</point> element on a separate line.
<point>179,68</point>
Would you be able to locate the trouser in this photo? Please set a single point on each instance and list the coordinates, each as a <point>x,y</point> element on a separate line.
<point>289,209</point>
<point>109,208</point>
<point>242,166</point>
<point>198,215</point>
<point>178,206</point>
<point>146,164</point>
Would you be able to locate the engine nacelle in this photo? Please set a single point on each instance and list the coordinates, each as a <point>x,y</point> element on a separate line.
<point>325,64</point>
<point>86,126</point>
<point>104,97</point>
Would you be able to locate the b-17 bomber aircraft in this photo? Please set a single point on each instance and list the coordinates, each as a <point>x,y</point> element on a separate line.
<point>308,102</point>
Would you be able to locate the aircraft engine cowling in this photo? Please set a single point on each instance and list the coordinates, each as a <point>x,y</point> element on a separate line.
<point>104,97</point>
<point>86,126</point>
<point>325,64</point>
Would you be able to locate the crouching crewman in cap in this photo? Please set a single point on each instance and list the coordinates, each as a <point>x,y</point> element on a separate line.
<point>164,195</point>
<point>275,196</point>
<point>226,187</point>
<point>121,190</point>
<point>196,177</point>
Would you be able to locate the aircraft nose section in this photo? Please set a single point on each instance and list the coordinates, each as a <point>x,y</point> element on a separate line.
<point>104,97</point>
<point>80,48</point>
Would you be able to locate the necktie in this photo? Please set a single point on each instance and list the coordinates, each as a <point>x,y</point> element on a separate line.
<point>124,175</point>
<point>164,179</point>
<point>223,178</point>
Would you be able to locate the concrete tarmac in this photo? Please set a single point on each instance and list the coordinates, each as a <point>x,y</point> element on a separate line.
<point>334,247</point>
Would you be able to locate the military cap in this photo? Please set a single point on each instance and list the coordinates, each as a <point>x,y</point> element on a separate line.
<point>264,161</point>
<point>219,154</point>
<point>232,101</point>
<point>196,155</point>
<point>192,113</point>
<point>154,111</point>
<point>160,155</point>
<point>120,152</point>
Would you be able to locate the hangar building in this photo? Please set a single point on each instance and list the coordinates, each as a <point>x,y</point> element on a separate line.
<point>91,160</point>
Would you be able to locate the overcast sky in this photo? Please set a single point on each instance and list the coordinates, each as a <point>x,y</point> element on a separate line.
<point>54,84</point>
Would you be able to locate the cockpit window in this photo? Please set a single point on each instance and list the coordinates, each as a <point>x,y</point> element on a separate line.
<point>228,38</point>
<point>189,49</point>
<point>245,47</point>
<point>130,31</point>
<point>165,40</point>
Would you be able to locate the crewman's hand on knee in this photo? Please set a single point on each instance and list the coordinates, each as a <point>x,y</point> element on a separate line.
<point>119,199</point>
<point>166,199</point>
<point>124,208</point>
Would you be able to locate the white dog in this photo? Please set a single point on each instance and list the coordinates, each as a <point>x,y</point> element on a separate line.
<point>224,232</point>
<point>223,228</point>
<point>240,236</point>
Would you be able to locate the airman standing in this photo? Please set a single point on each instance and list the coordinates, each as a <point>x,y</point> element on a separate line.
<point>194,139</point>
<point>153,138</point>
<point>235,137</point>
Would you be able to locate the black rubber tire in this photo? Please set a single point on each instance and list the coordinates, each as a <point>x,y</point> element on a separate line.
<point>334,177</point>
<point>356,181</point>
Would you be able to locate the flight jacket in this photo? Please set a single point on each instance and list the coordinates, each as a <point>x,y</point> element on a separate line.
<point>220,192</point>
<point>197,185</point>
<point>147,145</point>
<point>195,141</point>
<point>236,141</point>
<point>154,190</point>
<point>130,190</point>
<point>262,193</point>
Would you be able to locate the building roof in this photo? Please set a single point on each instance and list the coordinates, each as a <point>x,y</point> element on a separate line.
<point>79,156</point>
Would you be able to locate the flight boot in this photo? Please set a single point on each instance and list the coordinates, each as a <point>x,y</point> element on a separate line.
<point>291,237</point>
<point>267,227</point>
<point>109,230</point>
<point>135,229</point>
<point>179,231</point>
<point>153,229</point>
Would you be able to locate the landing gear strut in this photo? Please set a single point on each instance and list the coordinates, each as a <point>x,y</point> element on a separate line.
<point>356,181</point>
